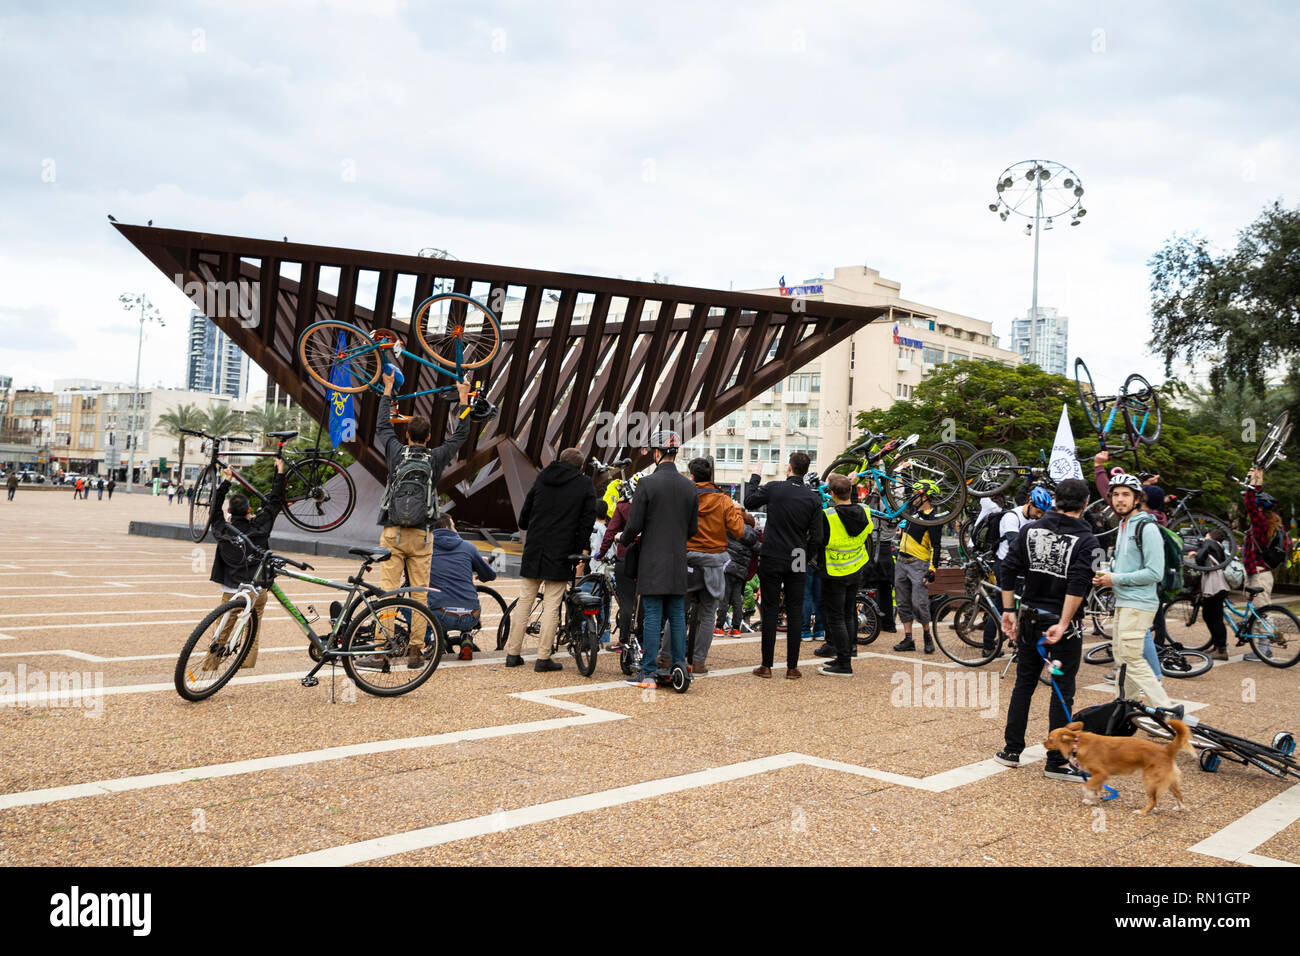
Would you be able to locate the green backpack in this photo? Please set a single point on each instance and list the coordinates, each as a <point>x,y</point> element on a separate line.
<point>1171,585</point>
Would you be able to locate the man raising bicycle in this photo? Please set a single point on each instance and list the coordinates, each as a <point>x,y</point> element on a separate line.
<point>918,545</point>
<point>233,565</point>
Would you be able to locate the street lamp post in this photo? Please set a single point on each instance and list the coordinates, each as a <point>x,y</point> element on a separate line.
<point>1054,190</point>
<point>148,311</point>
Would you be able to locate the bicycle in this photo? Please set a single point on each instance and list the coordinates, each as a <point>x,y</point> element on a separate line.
<point>899,477</point>
<point>1175,660</point>
<point>579,627</point>
<point>370,634</point>
<point>1269,450</point>
<point>1137,404</point>
<point>457,331</point>
<point>1272,631</point>
<point>319,494</point>
<point>492,615</point>
<point>1193,527</point>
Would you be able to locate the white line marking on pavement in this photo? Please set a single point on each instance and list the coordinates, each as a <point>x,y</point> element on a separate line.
<point>1236,841</point>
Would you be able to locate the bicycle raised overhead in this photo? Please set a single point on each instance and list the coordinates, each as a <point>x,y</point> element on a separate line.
<point>370,630</point>
<point>319,494</point>
<point>901,475</point>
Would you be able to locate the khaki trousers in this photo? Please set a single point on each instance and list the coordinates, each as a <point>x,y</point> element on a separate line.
<point>1264,579</point>
<point>1131,627</point>
<point>552,592</point>
<point>412,550</point>
<point>211,662</point>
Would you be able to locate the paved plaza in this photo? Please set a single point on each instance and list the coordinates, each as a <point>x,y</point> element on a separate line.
<point>484,765</point>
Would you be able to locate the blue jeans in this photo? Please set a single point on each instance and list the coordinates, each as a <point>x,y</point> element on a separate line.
<point>812,604</point>
<point>656,606</point>
<point>458,625</point>
<point>1149,654</point>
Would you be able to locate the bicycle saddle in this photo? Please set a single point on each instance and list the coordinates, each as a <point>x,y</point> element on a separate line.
<point>285,435</point>
<point>1253,591</point>
<point>374,555</point>
<point>863,446</point>
<point>1190,492</point>
<point>578,557</point>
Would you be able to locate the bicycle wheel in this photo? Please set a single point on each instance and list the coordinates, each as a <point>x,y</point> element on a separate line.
<point>1087,393</point>
<point>1274,636</point>
<point>868,620</point>
<point>922,471</point>
<point>214,650</point>
<point>493,614</point>
<point>1194,528</point>
<point>952,450</point>
<point>457,330</point>
<point>585,645</point>
<point>503,628</point>
<point>1183,663</point>
<point>1270,446</point>
<point>1182,624</point>
<point>376,644</point>
<point>959,631</point>
<point>330,350</point>
<point>1141,409</point>
<point>1101,608</point>
<point>201,503</point>
<point>319,494</point>
<point>990,472</point>
<point>1100,515</point>
<point>1101,654</point>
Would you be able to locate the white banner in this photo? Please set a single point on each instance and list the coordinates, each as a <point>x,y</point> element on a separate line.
<point>1063,463</point>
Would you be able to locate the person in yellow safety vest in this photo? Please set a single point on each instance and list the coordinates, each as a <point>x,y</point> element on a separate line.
<point>917,547</point>
<point>846,528</point>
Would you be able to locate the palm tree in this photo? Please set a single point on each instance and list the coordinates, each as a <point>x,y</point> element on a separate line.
<point>171,423</point>
<point>221,421</point>
<point>274,418</point>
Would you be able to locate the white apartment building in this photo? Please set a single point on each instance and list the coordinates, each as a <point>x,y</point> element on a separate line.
<point>1043,340</point>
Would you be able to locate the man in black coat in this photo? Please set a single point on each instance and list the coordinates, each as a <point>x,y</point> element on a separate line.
<point>791,544</point>
<point>665,513</point>
<point>558,514</point>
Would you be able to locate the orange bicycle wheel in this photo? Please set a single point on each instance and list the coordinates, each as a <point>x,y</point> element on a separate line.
<point>328,347</point>
<point>450,319</point>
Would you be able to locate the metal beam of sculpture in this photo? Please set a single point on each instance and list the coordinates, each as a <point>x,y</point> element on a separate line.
<point>582,362</point>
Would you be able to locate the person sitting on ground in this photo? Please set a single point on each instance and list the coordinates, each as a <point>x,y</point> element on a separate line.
<point>846,528</point>
<point>918,548</point>
<point>740,553</point>
<point>719,519</point>
<point>558,515</point>
<point>234,564</point>
<point>454,602</point>
<point>409,508</point>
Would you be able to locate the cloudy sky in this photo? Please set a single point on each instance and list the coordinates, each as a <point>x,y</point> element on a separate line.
<point>717,143</point>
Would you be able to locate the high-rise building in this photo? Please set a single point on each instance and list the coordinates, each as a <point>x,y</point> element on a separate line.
<point>215,363</point>
<point>1043,341</point>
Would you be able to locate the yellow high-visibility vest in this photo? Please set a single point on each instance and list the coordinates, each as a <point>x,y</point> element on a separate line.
<point>845,553</point>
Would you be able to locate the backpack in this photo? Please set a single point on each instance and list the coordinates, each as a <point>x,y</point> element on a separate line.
<point>410,498</point>
<point>987,532</point>
<point>1275,554</point>
<point>1171,585</point>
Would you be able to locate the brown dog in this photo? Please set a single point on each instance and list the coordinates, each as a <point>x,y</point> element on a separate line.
<point>1106,757</point>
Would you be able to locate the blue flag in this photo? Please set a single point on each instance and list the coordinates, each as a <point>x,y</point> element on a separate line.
<point>343,425</point>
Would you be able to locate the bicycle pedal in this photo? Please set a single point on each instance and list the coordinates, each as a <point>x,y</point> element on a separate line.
<point>310,681</point>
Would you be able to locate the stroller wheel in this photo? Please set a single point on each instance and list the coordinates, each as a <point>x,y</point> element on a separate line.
<point>1209,761</point>
<point>1285,743</point>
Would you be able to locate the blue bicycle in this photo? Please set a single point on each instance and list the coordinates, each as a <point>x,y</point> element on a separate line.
<point>457,331</point>
<point>900,476</point>
<point>1137,404</point>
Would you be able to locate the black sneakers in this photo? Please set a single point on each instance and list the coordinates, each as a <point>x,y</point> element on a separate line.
<point>514,660</point>
<point>929,643</point>
<point>835,670</point>
<point>905,645</point>
<point>543,666</point>
<point>1008,758</point>
<point>824,651</point>
<point>1064,772</point>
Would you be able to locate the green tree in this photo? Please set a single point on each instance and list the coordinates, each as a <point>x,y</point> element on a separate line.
<point>275,418</point>
<point>171,423</point>
<point>1242,307</point>
<point>221,420</point>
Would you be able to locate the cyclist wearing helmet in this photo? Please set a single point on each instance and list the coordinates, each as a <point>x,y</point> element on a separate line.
<point>1265,526</point>
<point>792,542</point>
<point>624,583</point>
<point>1134,576</point>
<point>917,547</point>
<point>665,515</point>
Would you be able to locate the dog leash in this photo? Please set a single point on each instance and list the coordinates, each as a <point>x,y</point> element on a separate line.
<point>1054,671</point>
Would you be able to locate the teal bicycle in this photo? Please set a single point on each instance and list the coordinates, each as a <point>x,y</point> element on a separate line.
<point>1272,631</point>
<point>899,475</point>
<point>457,331</point>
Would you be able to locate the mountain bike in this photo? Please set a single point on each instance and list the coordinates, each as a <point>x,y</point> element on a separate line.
<point>1272,631</point>
<point>1269,450</point>
<point>457,331</point>
<point>578,627</point>
<point>319,494</point>
<point>1175,660</point>
<point>1137,404</point>
<point>1192,526</point>
<point>899,477</point>
<point>370,634</point>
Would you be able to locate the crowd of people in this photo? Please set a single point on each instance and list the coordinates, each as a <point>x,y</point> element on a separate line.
<point>672,536</point>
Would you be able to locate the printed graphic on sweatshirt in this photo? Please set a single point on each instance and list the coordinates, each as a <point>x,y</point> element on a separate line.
<point>1049,552</point>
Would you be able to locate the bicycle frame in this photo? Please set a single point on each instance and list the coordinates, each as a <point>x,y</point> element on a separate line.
<point>396,351</point>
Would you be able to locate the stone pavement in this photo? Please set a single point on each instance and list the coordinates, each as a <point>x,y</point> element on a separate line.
<point>484,765</point>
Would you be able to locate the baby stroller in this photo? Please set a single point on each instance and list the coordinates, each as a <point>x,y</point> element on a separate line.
<point>1122,718</point>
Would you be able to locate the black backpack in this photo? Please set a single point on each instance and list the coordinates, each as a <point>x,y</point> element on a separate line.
<point>1274,555</point>
<point>410,497</point>
<point>987,533</point>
